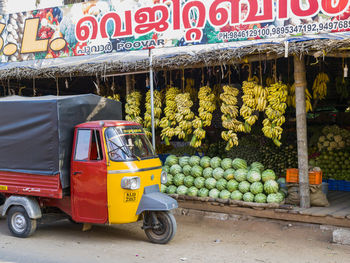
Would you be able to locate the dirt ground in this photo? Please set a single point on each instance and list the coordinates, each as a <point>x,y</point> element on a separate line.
<point>198,239</point>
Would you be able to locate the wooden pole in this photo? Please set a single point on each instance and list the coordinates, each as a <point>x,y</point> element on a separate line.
<point>300,86</point>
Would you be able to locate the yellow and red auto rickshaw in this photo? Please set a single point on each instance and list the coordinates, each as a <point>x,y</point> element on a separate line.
<point>115,178</point>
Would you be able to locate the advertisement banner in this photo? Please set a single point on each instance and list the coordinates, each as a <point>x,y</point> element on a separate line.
<point>97,27</point>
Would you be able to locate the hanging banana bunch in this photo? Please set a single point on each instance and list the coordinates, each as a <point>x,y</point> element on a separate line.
<point>274,111</point>
<point>206,108</point>
<point>319,87</point>
<point>169,122</point>
<point>132,107</point>
<point>190,88</point>
<point>270,81</point>
<point>291,98</point>
<point>230,112</point>
<point>184,115</point>
<point>157,102</point>
<point>342,87</point>
<point>254,100</point>
<point>115,97</point>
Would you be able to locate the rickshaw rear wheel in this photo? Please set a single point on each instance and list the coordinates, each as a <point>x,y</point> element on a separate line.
<point>19,222</point>
<point>160,227</point>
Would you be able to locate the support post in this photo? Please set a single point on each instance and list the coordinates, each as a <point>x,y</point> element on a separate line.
<point>151,83</point>
<point>300,86</point>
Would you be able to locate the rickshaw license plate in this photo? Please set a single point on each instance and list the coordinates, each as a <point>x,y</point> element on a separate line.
<point>3,187</point>
<point>130,197</point>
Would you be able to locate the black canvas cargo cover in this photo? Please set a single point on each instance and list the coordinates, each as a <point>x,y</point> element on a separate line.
<point>36,134</point>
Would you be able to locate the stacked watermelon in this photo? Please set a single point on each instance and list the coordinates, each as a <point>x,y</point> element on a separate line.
<point>221,178</point>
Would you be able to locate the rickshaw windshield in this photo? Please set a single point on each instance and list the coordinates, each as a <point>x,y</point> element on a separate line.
<point>128,143</point>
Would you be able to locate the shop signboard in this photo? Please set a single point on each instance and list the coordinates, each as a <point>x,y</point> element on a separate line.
<point>97,27</point>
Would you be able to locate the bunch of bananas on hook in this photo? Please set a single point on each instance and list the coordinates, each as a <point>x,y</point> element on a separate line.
<point>132,107</point>
<point>184,115</point>
<point>157,102</point>
<point>291,98</point>
<point>319,87</point>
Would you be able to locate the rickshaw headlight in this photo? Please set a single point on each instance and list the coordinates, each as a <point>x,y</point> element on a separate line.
<point>131,183</point>
<point>164,177</point>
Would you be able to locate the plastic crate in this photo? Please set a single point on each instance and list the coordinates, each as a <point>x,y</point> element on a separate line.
<point>332,185</point>
<point>293,176</point>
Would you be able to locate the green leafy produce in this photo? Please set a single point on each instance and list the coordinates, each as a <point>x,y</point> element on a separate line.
<point>239,164</point>
<point>171,160</point>
<point>182,190</point>
<point>194,160</point>
<point>187,170</point>
<point>253,176</point>
<point>184,161</point>
<point>232,185</point>
<point>218,173</point>
<point>221,184</point>
<point>166,168</point>
<point>179,179</point>
<point>224,194</point>
<point>229,174</point>
<point>170,178</point>
<point>214,193</point>
<point>241,175</point>
<point>256,188</point>
<point>257,165</point>
<point>210,183</point>
<point>271,187</point>
<point>205,162</point>
<point>260,198</point>
<point>175,169</point>
<point>248,197</point>
<point>163,188</point>
<point>199,182</point>
<point>188,181</point>
<point>268,175</point>
<point>196,171</point>
<point>226,163</point>
<point>192,191</point>
<point>236,195</point>
<point>273,198</point>
<point>208,172</point>
<point>244,187</point>
<point>215,162</point>
<point>171,189</point>
<point>281,180</point>
<point>203,192</point>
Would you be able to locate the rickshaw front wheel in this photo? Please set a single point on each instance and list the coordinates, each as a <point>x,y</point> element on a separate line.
<point>160,227</point>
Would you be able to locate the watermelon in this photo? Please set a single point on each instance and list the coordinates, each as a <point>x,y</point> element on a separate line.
<point>203,192</point>
<point>208,172</point>
<point>166,168</point>
<point>239,164</point>
<point>215,162</point>
<point>183,161</point>
<point>280,197</point>
<point>271,187</point>
<point>210,183</point>
<point>236,195</point>
<point>232,185</point>
<point>214,193</point>
<point>248,197</point>
<point>221,184</point>
<point>175,169</point>
<point>199,182</point>
<point>218,173</point>
<point>171,189</point>
<point>257,165</point>
<point>170,179</point>
<point>179,179</point>
<point>260,198</point>
<point>196,171</point>
<point>163,188</point>
<point>226,163</point>
<point>181,190</point>
<point>205,162</point>
<point>187,169</point>
<point>241,175</point>
<point>273,198</point>
<point>192,191</point>
<point>253,176</point>
<point>229,174</point>
<point>244,187</point>
<point>224,194</point>
<point>256,188</point>
<point>194,160</point>
<point>268,175</point>
<point>171,160</point>
<point>188,181</point>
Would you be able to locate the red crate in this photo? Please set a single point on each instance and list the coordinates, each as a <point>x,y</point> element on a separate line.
<point>293,176</point>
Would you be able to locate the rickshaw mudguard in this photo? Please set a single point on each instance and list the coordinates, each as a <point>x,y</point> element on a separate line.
<point>153,200</point>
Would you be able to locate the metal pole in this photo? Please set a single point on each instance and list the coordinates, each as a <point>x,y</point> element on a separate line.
<point>152,99</point>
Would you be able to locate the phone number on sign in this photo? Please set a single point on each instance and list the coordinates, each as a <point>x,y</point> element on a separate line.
<point>285,30</point>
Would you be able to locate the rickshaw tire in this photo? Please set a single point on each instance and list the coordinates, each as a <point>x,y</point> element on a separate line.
<point>169,220</point>
<point>21,213</point>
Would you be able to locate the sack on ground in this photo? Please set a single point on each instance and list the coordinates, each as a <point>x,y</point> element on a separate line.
<point>317,197</point>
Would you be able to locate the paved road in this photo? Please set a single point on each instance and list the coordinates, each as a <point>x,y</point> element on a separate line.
<point>198,240</point>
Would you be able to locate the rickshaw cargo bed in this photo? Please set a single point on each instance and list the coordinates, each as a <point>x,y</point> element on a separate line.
<point>36,134</point>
